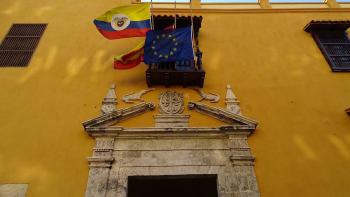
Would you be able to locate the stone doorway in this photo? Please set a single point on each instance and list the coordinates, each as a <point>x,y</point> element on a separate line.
<point>173,186</point>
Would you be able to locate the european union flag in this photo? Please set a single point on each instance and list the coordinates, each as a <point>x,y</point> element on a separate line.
<point>168,46</point>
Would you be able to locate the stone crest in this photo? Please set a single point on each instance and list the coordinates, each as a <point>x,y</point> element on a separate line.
<point>171,102</point>
<point>135,96</point>
<point>213,98</point>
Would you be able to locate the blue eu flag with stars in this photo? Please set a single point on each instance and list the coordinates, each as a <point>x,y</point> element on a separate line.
<point>168,46</point>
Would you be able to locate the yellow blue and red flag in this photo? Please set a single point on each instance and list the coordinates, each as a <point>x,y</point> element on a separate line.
<point>130,59</point>
<point>125,21</point>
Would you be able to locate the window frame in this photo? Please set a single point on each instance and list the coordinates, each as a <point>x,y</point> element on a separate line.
<point>320,28</point>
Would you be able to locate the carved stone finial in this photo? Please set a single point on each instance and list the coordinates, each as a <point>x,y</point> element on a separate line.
<point>109,101</point>
<point>232,103</point>
<point>134,96</point>
<point>213,98</point>
<point>171,103</point>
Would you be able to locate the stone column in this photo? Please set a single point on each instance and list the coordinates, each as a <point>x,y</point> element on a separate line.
<point>244,179</point>
<point>100,164</point>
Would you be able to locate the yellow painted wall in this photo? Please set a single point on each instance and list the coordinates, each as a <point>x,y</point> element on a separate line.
<point>302,144</point>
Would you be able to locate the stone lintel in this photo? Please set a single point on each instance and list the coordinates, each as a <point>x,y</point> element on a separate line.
<point>171,120</point>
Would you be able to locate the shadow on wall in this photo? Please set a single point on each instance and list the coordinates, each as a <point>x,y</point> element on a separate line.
<point>341,147</point>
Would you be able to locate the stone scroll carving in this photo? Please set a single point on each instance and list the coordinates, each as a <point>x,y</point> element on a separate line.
<point>171,103</point>
<point>213,98</point>
<point>135,96</point>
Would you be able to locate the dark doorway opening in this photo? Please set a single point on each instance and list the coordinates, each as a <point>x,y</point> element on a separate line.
<point>173,186</point>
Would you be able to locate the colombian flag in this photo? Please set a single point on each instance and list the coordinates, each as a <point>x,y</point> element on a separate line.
<point>125,21</point>
<point>131,58</point>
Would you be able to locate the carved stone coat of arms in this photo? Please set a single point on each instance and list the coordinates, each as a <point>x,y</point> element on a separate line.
<point>171,103</point>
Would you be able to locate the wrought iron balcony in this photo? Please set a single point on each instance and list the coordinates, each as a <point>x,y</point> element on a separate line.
<point>185,73</point>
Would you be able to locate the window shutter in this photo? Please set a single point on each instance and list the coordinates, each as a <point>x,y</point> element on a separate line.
<point>19,44</point>
<point>332,39</point>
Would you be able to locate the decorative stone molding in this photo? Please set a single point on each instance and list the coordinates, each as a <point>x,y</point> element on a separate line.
<point>240,154</point>
<point>100,164</point>
<point>135,96</point>
<point>171,148</point>
<point>110,101</point>
<point>221,114</point>
<point>171,102</point>
<point>118,115</point>
<point>171,121</point>
<point>213,98</point>
<point>232,103</point>
<point>102,153</point>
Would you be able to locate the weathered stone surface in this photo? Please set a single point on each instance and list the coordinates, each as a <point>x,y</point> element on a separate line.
<point>171,157</point>
<point>213,98</point>
<point>169,121</point>
<point>97,183</point>
<point>169,144</point>
<point>110,101</point>
<point>148,156</point>
<point>172,148</point>
<point>13,190</point>
<point>245,181</point>
<point>232,103</point>
<point>171,102</point>
<point>135,96</point>
<point>100,164</point>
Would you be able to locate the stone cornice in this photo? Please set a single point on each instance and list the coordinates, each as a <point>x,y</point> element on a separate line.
<point>118,115</point>
<point>222,114</point>
<point>224,128</point>
<point>100,162</point>
<point>191,132</point>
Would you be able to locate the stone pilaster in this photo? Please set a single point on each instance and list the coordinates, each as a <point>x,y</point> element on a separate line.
<point>245,183</point>
<point>100,164</point>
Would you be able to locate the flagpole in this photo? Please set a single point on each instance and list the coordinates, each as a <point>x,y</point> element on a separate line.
<point>175,16</point>
<point>192,36</point>
<point>152,23</point>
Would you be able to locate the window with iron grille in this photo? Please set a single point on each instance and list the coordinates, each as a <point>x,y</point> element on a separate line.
<point>332,39</point>
<point>19,44</point>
